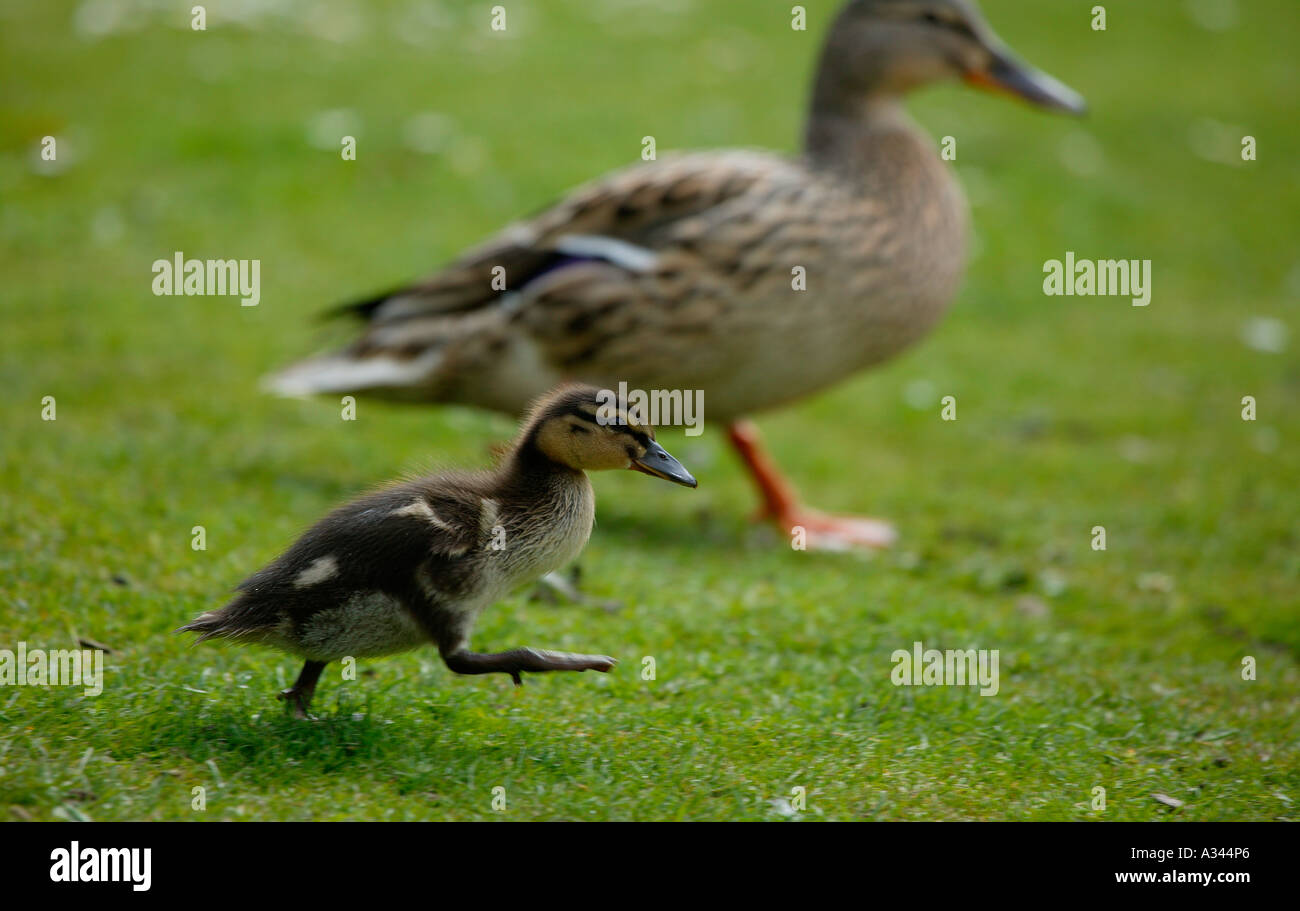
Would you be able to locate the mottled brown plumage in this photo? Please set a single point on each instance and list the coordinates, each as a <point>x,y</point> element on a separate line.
<point>416,562</point>
<point>756,278</point>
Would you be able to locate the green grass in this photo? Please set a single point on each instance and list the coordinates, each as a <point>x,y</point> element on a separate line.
<point>1120,669</point>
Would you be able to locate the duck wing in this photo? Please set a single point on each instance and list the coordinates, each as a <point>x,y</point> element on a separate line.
<point>419,337</point>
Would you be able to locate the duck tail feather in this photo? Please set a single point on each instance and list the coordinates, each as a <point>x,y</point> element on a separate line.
<point>344,372</point>
<point>362,309</point>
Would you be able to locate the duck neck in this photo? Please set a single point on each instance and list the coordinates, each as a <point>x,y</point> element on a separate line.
<point>844,132</point>
<point>530,472</point>
<point>854,102</point>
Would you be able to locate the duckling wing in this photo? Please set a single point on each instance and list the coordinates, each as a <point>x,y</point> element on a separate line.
<point>375,544</point>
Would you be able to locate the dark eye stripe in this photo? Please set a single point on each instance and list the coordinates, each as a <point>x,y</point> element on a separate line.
<point>583,412</point>
<point>959,26</point>
<point>587,414</point>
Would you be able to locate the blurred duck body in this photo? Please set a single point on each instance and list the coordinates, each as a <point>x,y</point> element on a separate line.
<point>755,278</point>
<point>417,562</point>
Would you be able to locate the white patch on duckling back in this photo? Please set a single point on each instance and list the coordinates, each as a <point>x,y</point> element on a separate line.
<point>618,252</point>
<point>320,570</point>
<point>422,510</point>
<point>490,517</point>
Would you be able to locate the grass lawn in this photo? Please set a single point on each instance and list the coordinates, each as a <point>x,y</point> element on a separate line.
<point>1120,669</point>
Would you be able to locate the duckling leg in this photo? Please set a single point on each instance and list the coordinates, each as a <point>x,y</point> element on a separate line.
<point>299,695</point>
<point>780,502</point>
<point>518,660</point>
<point>555,587</point>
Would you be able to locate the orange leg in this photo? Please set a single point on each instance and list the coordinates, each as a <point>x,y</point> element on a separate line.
<point>780,502</point>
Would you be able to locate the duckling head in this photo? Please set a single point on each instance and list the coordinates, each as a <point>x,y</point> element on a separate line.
<point>590,429</point>
<point>883,48</point>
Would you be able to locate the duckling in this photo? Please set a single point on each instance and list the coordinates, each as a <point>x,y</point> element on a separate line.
<point>677,273</point>
<point>416,562</point>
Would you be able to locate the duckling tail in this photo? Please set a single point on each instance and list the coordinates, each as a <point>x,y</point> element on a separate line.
<point>220,625</point>
<point>206,625</point>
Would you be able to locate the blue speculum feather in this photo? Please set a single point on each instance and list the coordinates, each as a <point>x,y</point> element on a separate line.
<point>557,262</point>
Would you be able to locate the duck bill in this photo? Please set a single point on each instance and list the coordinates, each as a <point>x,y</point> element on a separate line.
<point>1007,74</point>
<point>659,464</point>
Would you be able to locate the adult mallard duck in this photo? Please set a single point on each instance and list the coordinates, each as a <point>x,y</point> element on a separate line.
<point>416,562</point>
<point>753,277</point>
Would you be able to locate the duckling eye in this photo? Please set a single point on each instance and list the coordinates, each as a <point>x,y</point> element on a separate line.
<point>578,428</point>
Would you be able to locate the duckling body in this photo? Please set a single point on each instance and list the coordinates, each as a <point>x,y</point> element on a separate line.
<point>755,278</point>
<point>412,564</point>
<point>417,562</point>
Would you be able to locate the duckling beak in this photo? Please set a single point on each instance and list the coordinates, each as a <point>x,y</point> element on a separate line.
<point>1008,74</point>
<point>659,464</point>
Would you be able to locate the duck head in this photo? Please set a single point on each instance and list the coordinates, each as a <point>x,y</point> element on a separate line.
<point>590,429</point>
<point>884,48</point>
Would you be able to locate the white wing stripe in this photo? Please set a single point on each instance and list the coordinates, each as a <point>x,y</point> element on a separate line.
<point>618,252</point>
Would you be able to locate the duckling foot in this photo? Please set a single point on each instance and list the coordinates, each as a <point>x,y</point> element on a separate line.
<point>297,704</point>
<point>299,695</point>
<point>520,660</point>
<point>808,528</point>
